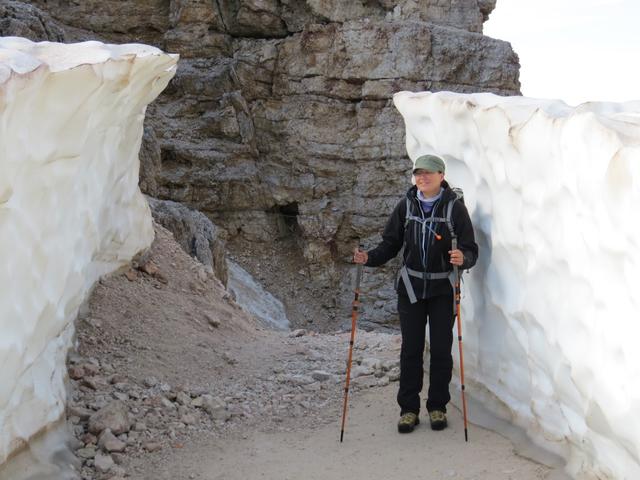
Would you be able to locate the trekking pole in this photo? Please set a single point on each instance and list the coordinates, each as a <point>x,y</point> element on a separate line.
<point>456,298</point>
<point>354,319</point>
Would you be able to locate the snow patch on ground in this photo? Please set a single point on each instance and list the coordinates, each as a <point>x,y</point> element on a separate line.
<point>253,298</point>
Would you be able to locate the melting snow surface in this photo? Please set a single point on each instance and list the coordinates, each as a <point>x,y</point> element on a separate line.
<point>253,298</point>
<point>551,320</point>
<point>70,209</point>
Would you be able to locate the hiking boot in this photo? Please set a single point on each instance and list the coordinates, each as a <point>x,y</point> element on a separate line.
<point>408,422</point>
<point>438,420</point>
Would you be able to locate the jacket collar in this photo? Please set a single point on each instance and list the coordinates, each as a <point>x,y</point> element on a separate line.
<point>447,195</point>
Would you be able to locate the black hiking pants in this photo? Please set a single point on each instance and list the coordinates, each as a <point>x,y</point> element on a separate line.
<point>413,321</point>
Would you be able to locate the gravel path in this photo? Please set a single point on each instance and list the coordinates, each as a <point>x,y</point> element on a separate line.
<point>172,380</point>
<point>372,449</point>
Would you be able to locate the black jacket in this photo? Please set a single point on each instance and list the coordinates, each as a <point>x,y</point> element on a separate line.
<point>395,236</point>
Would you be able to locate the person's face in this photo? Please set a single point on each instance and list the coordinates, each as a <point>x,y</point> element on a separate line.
<point>428,182</point>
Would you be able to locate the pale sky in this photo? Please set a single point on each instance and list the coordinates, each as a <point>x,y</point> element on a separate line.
<point>574,50</point>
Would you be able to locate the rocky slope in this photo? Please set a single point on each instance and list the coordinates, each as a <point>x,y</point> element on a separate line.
<point>279,124</point>
<point>165,356</point>
<point>171,379</point>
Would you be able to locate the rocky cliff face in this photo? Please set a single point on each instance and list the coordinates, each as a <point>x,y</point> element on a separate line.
<point>279,123</point>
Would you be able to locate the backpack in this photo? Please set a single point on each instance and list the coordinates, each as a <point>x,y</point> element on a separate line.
<point>446,219</point>
<point>405,272</point>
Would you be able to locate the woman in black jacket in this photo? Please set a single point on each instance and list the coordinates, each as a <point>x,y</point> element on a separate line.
<point>424,222</point>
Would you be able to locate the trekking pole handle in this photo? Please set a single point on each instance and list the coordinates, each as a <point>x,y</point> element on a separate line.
<point>454,246</point>
<point>359,270</point>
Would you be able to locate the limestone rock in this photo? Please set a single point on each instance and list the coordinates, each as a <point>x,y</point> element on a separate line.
<point>366,381</point>
<point>115,446</point>
<point>140,21</point>
<point>113,416</point>
<point>211,320</point>
<point>150,163</point>
<point>19,19</point>
<point>110,443</point>
<point>486,7</point>
<point>103,463</point>
<point>279,121</point>
<point>371,363</point>
<point>361,371</point>
<point>195,233</point>
<point>150,381</point>
<point>394,374</point>
<point>86,453</point>
<point>215,407</point>
<point>298,332</point>
<point>253,18</point>
<point>88,439</point>
<point>197,29</point>
<point>188,419</point>
<point>76,373</point>
<point>151,446</point>
<point>383,382</point>
<point>183,399</point>
<point>321,375</point>
<point>272,18</point>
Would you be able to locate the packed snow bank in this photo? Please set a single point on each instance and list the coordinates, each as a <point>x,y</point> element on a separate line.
<point>70,208</point>
<point>253,298</point>
<point>550,312</point>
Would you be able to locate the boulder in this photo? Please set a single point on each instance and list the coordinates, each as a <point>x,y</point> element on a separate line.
<point>113,416</point>
<point>195,233</point>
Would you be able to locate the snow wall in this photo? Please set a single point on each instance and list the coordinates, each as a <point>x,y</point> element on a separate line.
<point>71,120</point>
<point>551,320</point>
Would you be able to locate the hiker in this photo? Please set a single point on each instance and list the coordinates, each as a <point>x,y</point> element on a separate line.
<point>423,285</point>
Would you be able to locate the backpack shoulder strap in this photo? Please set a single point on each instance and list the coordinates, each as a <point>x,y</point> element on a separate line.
<point>407,212</point>
<point>448,217</point>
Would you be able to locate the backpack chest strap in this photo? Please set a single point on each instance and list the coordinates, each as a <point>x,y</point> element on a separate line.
<point>428,219</point>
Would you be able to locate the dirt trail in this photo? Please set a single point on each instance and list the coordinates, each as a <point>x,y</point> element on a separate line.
<point>210,394</point>
<point>372,449</point>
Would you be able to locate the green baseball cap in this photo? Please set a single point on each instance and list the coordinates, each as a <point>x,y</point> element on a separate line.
<point>431,163</point>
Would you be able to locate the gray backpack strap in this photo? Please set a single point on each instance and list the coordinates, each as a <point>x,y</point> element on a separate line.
<point>459,195</point>
<point>448,218</point>
<point>404,275</point>
<point>427,275</point>
<point>407,212</point>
